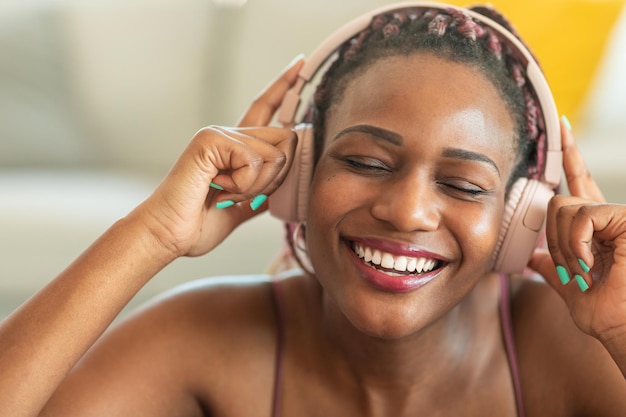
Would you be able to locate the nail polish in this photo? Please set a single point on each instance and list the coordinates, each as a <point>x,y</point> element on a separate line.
<point>563,274</point>
<point>296,59</point>
<point>224,204</point>
<point>583,265</point>
<point>567,123</point>
<point>257,201</point>
<point>582,284</point>
<point>216,186</point>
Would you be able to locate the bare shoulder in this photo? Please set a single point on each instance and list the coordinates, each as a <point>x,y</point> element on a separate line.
<point>190,350</point>
<point>226,305</point>
<point>563,371</point>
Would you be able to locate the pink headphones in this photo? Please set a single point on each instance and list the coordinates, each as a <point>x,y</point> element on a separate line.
<point>526,205</point>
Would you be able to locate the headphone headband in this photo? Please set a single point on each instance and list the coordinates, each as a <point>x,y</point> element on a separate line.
<point>554,156</point>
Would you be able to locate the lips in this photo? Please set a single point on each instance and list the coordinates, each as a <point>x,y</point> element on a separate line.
<point>400,264</point>
<point>394,268</point>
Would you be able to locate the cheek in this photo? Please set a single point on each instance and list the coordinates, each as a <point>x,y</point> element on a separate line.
<point>332,197</point>
<point>480,231</point>
<point>322,203</point>
<point>332,194</point>
<point>322,206</point>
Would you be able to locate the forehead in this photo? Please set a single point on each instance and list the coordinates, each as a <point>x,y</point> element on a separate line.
<point>423,94</point>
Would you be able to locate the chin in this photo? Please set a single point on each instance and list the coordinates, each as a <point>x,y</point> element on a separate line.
<point>386,316</point>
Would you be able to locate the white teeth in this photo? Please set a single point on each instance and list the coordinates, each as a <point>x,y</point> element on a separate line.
<point>401,263</point>
<point>387,261</point>
<point>376,257</point>
<point>419,267</point>
<point>430,264</point>
<point>398,263</point>
<point>411,265</point>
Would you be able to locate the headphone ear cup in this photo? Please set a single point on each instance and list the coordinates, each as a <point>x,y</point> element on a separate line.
<point>289,201</point>
<point>523,222</point>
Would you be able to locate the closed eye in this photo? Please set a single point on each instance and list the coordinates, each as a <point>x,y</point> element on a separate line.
<point>366,164</point>
<point>466,189</point>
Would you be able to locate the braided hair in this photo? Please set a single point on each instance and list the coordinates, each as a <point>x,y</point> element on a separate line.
<point>450,34</point>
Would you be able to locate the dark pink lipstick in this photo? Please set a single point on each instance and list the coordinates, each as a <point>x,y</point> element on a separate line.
<point>389,280</point>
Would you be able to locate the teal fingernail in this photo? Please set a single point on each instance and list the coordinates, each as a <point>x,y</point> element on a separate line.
<point>216,186</point>
<point>583,265</point>
<point>296,59</point>
<point>563,274</point>
<point>224,204</point>
<point>567,123</point>
<point>581,283</point>
<point>257,201</point>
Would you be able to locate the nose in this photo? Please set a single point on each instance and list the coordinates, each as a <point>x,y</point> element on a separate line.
<point>409,203</point>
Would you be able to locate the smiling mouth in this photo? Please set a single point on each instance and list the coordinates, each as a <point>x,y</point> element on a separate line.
<point>395,265</point>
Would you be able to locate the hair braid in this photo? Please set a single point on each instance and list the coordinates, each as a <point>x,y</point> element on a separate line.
<point>455,35</point>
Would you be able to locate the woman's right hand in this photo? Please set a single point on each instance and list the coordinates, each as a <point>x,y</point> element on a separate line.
<point>247,161</point>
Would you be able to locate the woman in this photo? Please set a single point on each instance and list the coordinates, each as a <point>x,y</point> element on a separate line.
<point>419,145</point>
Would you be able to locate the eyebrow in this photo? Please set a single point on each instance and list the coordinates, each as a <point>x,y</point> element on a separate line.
<point>396,139</point>
<point>380,133</point>
<point>466,155</point>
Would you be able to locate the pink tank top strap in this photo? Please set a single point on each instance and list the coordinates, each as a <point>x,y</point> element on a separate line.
<point>509,341</point>
<point>280,342</point>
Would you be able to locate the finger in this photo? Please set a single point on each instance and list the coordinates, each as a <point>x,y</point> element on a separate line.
<point>226,219</point>
<point>583,228</point>
<point>579,180</point>
<point>590,220</point>
<point>541,262</point>
<point>552,224</point>
<point>559,218</point>
<point>559,243</point>
<point>242,212</point>
<point>276,146</point>
<point>237,164</point>
<point>571,235</point>
<point>283,140</point>
<point>265,105</point>
<point>270,150</point>
<point>599,224</point>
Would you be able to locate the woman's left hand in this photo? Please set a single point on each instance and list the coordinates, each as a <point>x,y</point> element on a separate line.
<point>586,238</point>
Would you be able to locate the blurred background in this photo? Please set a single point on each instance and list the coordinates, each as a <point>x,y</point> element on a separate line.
<point>97,99</point>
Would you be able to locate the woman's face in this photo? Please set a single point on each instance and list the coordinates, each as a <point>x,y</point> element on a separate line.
<point>408,196</point>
